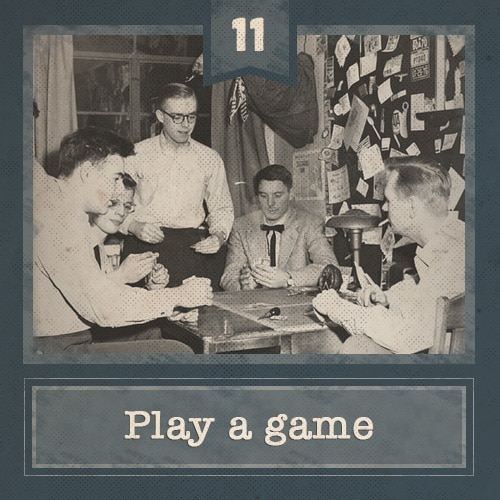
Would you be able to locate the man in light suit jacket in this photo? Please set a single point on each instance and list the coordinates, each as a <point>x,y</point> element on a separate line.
<point>279,245</point>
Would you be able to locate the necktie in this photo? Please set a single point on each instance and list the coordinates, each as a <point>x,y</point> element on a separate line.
<point>272,246</point>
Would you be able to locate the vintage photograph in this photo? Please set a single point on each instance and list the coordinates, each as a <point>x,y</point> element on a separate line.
<point>250,216</point>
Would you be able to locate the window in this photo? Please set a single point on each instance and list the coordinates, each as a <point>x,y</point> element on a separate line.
<point>118,78</point>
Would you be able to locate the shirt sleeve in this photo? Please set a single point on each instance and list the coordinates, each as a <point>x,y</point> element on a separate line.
<point>74,271</point>
<point>218,198</point>
<point>405,327</point>
<point>319,252</point>
<point>235,260</point>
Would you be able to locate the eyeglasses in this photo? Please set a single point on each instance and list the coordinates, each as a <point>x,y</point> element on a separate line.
<point>178,118</point>
<point>128,206</point>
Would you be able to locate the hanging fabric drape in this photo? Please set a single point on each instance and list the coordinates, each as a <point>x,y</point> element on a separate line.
<point>54,94</point>
<point>291,112</point>
<point>241,144</point>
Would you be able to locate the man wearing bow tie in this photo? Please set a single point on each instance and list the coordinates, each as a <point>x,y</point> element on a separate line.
<point>279,245</point>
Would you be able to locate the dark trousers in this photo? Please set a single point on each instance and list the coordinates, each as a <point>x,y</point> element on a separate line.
<point>141,339</point>
<point>180,260</point>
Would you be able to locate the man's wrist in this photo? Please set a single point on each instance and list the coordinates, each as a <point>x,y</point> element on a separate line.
<point>289,280</point>
<point>221,236</point>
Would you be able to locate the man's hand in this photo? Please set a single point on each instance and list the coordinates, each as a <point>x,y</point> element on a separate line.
<point>190,317</point>
<point>371,295</point>
<point>135,267</point>
<point>209,245</point>
<point>326,302</point>
<point>194,292</point>
<point>158,278</point>
<point>246,279</point>
<point>146,231</point>
<point>270,277</point>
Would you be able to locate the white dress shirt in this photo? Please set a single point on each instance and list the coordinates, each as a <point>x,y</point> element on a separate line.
<point>173,184</point>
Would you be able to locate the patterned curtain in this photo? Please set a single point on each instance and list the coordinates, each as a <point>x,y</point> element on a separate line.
<point>54,94</point>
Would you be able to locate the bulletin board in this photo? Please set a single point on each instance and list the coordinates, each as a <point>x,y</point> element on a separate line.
<point>388,96</point>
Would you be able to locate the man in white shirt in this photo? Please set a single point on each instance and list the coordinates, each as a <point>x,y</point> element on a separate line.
<point>402,319</point>
<point>279,245</point>
<point>70,293</point>
<point>184,210</point>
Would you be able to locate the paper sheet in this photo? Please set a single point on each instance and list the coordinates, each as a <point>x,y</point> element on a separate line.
<point>413,150</point>
<point>362,187</point>
<point>352,75</point>
<point>343,106</point>
<point>448,141</point>
<point>393,66</point>
<point>355,123</point>
<point>307,175</point>
<point>337,137</point>
<point>342,50</point>
<point>370,160</point>
<point>372,43</point>
<point>392,43</point>
<point>368,64</point>
<point>338,185</point>
<point>384,91</point>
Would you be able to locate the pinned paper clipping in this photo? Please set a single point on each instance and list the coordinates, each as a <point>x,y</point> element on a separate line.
<point>338,185</point>
<point>355,123</point>
<point>337,137</point>
<point>342,50</point>
<point>370,160</point>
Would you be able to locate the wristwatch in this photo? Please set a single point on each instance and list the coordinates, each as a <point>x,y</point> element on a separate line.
<point>289,281</point>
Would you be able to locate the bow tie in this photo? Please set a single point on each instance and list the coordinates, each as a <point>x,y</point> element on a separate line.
<point>278,227</point>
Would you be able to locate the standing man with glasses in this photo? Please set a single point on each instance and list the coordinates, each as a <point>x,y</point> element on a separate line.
<point>184,208</point>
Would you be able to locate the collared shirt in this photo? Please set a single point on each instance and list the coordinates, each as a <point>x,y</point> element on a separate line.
<point>69,290</point>
<point>173,184</point>
<point>407,325</point>
<point>277,233</point>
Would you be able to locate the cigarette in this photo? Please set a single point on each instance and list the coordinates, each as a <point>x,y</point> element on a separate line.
<point>383,223</point>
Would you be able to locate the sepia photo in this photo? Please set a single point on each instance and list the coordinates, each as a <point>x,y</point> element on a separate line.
<point>250,216</point>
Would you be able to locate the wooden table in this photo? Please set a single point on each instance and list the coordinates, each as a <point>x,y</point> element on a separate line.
<point>233,324</point>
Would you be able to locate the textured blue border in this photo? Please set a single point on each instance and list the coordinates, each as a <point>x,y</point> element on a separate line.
<point>484,15</point>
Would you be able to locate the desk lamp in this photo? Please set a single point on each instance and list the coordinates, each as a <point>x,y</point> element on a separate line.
<point>354,221</point>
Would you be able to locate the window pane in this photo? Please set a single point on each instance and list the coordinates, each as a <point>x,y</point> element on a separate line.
<point>104,43</point>
<point>170,45</point>
<point>155,76</point>
<point>117,123</point>
<point>102,85</point>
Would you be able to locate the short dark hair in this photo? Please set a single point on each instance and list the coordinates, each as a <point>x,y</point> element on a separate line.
<point>424,178</point>
<point>175,91</point>
<point>273,173</point>
<point>90,144</point>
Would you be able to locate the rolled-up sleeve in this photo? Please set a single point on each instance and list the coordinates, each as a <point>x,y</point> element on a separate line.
<point>94,296</point>
<point>218,198</point>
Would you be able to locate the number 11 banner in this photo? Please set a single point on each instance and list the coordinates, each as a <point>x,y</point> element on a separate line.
<point>249,37</point>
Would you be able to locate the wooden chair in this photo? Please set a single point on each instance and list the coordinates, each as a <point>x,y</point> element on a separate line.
<point>449,331</point>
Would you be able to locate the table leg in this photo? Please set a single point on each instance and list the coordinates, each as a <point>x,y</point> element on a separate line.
<point>286,344</point>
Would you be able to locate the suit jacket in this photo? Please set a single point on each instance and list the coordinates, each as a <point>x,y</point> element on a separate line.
<point>304,249</point>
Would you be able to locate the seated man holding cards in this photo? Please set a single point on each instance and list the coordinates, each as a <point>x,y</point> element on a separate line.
<point>279,245</point>
<point>70,292</point>
<point>401,320</point>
